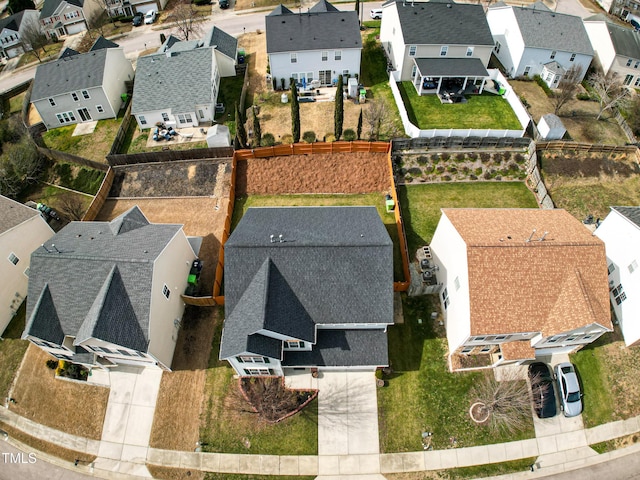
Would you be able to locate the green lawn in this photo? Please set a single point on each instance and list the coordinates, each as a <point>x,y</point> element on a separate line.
<point>225,429</point>
<point>422,395</point>
<point>421,204</point>
<point>480,111</point>
<point>375,199</point>
<point>12,350</point>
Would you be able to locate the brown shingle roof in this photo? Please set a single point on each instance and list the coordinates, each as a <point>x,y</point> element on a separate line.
<point>13,213</point>
<point>551,285</point>
<point>518,350</point>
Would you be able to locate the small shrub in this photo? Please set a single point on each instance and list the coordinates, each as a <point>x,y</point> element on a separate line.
<point>329,137</point>
<point>472,155</point>
<point>506,156</point>
<point>498,178</point>
<point>415,171</point>
<point>465,170</point>
<point>445,156</point>
<point>473,177</point>
<point>349,135</point>
<point>524,101</point>
<point>460,157</point>
<point>429,169</point>
<point>485,156</point>
<point>435,159</point>
<point>519,158</point>
<point>585,97</point>
<point>52,364</point>
<point>440,168</point>
<point>267,140</point>
<point>513,167</point>
<point>543,85</point>
<point>286,139</point>
<point>452,169</point>
<point>408,178</point>
<point>309,136</point>
<point>422,160</point>
<point>446,177</point>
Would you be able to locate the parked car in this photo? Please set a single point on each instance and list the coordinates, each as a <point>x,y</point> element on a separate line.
<point>224,4</point>
<point>568,389</point>
<point>138,18</point>
<point>150,17</point>
<point>543,390</point>
<point>376,13</point>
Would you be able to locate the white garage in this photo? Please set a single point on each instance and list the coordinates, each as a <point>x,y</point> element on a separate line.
<point>76,28</point>
<point>146,7</point>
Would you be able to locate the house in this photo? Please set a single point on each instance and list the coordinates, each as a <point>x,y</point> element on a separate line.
<point>518,284</point>
<point>314,46</point>
<point>12,29</point>
<point>129,8</point>
<point>617,48</point>
<point>22,230</point>
<point>307,288</point>
<point>81,87</point>
<point>625,9</point>
<point>437,45</point>
<point>160,95</point>
<point>620,232</point>
<point>60,18</point>
<point>537,41</point>
<point>108,293</point>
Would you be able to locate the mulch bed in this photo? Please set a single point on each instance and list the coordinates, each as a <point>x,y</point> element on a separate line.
<point>587,165</point>
<point>269,397</point>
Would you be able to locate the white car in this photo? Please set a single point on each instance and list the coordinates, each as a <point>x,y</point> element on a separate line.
<point>150,17</point>
<point>376,13</point>
<point>569,389</point>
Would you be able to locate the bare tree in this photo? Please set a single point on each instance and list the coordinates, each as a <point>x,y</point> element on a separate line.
<point>71,206</point>
<point>268,397</point>
<point>96,20</point>
<point>379,119</point>
<point>187,21</point>
<point>567,87</point>
<point>505,404</point>
<point>34,38</point>
<point>610,89</point>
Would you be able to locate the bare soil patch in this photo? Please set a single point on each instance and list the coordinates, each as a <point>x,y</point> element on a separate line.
<point>255,44</point>
<point>168,473</point>
<point>44,399</point>
<point>578,116</point>
<point>319,173</point>
<point>581,164</point>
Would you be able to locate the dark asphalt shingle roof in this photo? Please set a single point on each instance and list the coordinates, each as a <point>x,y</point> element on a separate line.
<point>12,22</point>
<point>312,30</point>
<point>159,82</point>
<point>334,266</point>
<point>552,31</point>
<point>13,213</point>
<point>436,67</point>
<point>68,52</point>
<point>443,23</point>
<point>222,41</point>
<point>102,42</point>
<point>631,213</point>
<point>343,348</point>
<point>50,6</point>
<point>69,74</point>
<point>96,280</point>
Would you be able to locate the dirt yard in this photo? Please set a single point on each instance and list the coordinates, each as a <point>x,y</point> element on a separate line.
<point>319,173</point>
<point>56,403</point>
<point>578,116</point>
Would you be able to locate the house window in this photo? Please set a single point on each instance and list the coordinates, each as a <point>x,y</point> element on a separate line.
<point>553,55</point>
<point>555,339</point>
<point>66,117</point>
<point>629,62</point>
<point>140,354</point>
<point>52,102</point>
<point>412,50</point>
<point>500,338</point>
<point>310,76</point>
<point>124,352</point>
<point>456,283</point>
<point>165,117</point>
<point>633,266</point>
<point>294,77</point>
<point>619,295</point>
<point>165,291</point>
<point>74,95</point>
<point>573,57</point>
<point>294,58</point>
<point>252,359</point>
<point>469,51</point>
<point>257,371</point>
<point>637,84</point>
<point>467,350</point>
<point>293,344</point>
<point>479,339</point>
<point>99,109</point>
<point>338,55</point>
<point>611,268</point>
<point>443,50</point>
<point>445,293</point>
<point>143,121</point>
<point>637,64</point>
<point>497,47</point>
<point>345,73</point>
<point>184,118</point>
<point>13,259</point>
<point>26,272</point>
<point>485,348</point>
<point>628,79</point>
<point>414,69</point>
<point>571,338</point>
<point>325,56</point>
<point>85,94</point>
<point>527,69</point>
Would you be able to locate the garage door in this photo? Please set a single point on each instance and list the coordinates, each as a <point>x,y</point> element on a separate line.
<point>76,28</point>
<point>145,7</point>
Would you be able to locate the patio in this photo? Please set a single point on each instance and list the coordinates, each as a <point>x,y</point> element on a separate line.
<point>182,135</point>
<point>449,78</point>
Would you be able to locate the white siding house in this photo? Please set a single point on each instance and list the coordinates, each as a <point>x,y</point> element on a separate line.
<point>22,230</point>
<point>617,48</point>
<point>317,45</point>
<point>620,232</point>
<point>536,41</point>
<point>81,87</point>
<point>518,284</point>
<point>11,30</point>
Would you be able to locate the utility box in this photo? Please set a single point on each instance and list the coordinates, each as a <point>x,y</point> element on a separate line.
<point>352,87</point>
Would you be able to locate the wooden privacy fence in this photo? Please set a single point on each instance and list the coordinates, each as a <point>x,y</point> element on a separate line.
<point>169,156</point>
<point>397,213</point>
<point>311,148</point>
<point>68,157</point>
<point>101,196</point>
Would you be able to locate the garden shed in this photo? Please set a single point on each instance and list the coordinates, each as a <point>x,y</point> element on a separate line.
<point>218,136</point>
<point>551,127</point>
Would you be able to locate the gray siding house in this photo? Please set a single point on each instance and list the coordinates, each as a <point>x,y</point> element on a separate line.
<point>307,287</point>
<point>60,18</point>
<point>319,44</point>
<point>103,294</point>
<point>11,29</point>
<point>81,87</point>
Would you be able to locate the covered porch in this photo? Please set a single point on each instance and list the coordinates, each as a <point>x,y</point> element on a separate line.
<point>449,78</point>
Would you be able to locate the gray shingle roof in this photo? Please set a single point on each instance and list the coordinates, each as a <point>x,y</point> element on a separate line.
<point>626,41</point>
<point>102,42</point>
<point>280,10</point>
<point>436,67</point>
<point>68,74</point>
<point>555,67</point>
<point>443,23</point>
<point>222,41</point>
<point>331,29</point>
<point>323,6</point>
<point>68,52</point>
<point>98,280</point>
<point>632,213</point>
<point>553,121</point>
<point>12,22</point>
<point>334,265</point>
<point>50,6</point>
<point>159,82</point>
<point>552,31</point>
<point>13,213</point>
<point>343,348</point>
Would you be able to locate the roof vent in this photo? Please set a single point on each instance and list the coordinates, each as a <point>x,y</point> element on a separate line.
<point>280,238</point>
<point>542,237</point>
<point>531,236</point>
<point>272,238</point>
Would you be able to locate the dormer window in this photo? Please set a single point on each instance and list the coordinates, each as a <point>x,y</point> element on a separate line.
<point>443,50</point>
